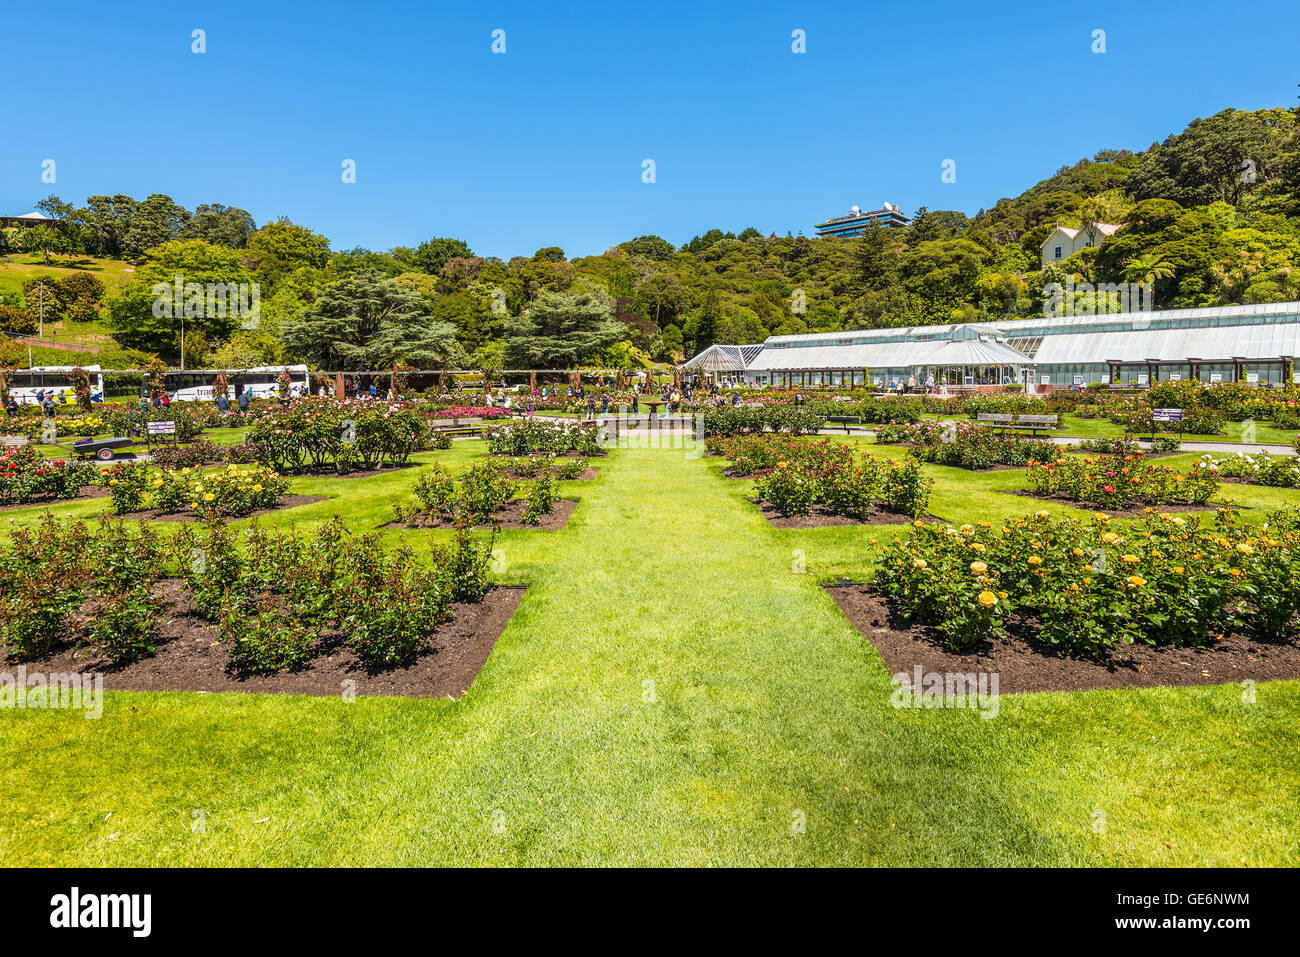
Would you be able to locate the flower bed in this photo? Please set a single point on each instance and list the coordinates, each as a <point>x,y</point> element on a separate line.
<point>27,477</point>
<point>1118,482</point>
<point>272,599</point>
<point>759,453</point>
<point>739,420</point>
<point>852,487</point>
<point>1086,588</point>
<point>528,436</point>
<point>965,445</point>
<point>1276,471</point>
<point>476,497</point>
<point>319,434</point>
<point>232,492</point>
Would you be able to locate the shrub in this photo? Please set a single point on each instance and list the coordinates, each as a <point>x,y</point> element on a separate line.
<point>463,566</point>
<point>27,477</point>
<point>196,454</point>
<point>571,469</point>
<point>33,612</point>
<point>481,492</point>
<point>789,489</point>
<point>528,436</point>
<point>269,638</point>
<point>126,624</point>
<point>1087,588</point>
<point>127,484</point>
<point>394,605</point>
<point>318,434</point>
<point>541,500</point>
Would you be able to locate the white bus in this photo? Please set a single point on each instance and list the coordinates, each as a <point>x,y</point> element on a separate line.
<point>262,382</point>
<point>54,381</point>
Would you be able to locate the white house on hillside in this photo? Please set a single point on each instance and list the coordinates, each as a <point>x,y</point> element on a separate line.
<point>1064,241</point>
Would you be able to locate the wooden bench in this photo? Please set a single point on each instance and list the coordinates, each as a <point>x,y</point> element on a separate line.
<point>1028,423</point>
<point>465,425</point>
<point>844,420</point>
<point>1037,423</point>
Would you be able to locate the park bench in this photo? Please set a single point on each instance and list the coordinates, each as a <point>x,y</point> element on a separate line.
<point>1028,423</point>
<point>1037,423</point>
<point>844,420</point>
<point>465,425</point>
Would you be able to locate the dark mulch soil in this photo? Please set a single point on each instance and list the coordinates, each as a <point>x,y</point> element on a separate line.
<point>1022,667</point>
<point>822,517</point>
<point>510,517</point>
<point>86,491</point>
<point>156,515</point>
<point>189,657</point>
<point>1131,510</point>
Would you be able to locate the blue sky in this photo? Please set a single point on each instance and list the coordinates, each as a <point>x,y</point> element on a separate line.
<point>543,145</point>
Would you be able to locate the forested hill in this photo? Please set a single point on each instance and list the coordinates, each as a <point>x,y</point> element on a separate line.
<point>1212,216</point>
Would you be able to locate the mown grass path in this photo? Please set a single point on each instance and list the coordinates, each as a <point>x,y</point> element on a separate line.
<point>670,691</point>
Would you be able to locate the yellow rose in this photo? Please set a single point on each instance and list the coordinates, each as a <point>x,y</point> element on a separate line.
<point>1131,559</point>
<point>209,497</point>
<point>1137,581</point>
<point>1035,560</point>
<point>987,599</point>
<point>979,568</point>
<point>1245,549</point>
<point>920,563</point>
<point>257,487</point>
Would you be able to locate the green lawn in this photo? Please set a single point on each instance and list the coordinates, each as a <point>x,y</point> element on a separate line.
<point>669,692</point>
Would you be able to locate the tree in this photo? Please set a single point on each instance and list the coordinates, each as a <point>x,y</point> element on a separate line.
<point>650,246</point>
<point>147,312</point>
<point>1222,157</point>
<point>563,330</point>
<point>432,254</point>
<point>154,221</point>
<point>1147,268</point>
<point>280,248</point>
<point>106,221</point>
<point>368,322</point>
<point>220,225</point>
<point>42,239</point>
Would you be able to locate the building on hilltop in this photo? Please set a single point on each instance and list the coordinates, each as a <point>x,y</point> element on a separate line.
<point>856,222</point>
<point>25,220</point>
<point>1065,241</point>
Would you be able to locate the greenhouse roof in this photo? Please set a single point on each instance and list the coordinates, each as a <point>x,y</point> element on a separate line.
<point>719,358</point>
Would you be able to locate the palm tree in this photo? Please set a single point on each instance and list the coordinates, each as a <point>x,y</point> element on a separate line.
<point>1148,268</point>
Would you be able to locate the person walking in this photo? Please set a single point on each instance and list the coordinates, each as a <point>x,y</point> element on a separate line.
<point>604,404</point>
<point>223,403</point>
<point>47,406</point>
<point>243,399</point>
<point>591,406</point>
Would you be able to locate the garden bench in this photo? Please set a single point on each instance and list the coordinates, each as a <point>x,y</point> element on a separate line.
<point>461,426</point>
<point>1036,423</point>
<point>998,420</point>
<point>844,420</point>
